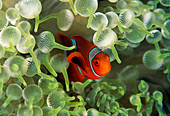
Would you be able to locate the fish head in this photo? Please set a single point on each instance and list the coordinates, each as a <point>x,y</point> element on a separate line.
<point>101,64</point>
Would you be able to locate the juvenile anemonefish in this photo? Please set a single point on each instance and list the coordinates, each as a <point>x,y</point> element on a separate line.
<point>86,60</point>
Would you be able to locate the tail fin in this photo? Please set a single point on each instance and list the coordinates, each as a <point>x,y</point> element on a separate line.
<point>66,40</point>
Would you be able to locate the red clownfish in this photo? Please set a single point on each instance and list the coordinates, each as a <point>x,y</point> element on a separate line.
<point>86,60</point>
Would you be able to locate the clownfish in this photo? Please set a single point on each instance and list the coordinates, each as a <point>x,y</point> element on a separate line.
<point>86,60</point>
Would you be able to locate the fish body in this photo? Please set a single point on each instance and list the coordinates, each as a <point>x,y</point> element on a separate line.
<point>86,60</point>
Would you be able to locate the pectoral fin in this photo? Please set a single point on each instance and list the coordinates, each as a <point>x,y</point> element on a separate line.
<point>78,59</point>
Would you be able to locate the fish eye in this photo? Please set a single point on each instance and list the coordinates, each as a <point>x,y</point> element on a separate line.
<point>96,62</point>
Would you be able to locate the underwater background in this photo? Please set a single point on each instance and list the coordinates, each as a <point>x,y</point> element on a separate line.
<point>134,33</point>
